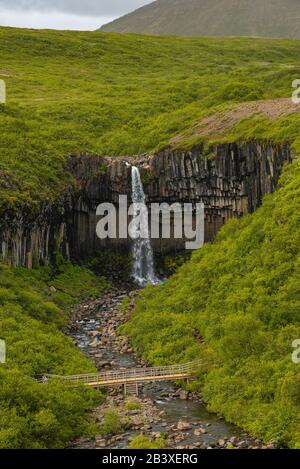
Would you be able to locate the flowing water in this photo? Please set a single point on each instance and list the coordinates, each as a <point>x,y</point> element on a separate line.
<point>143,261</point>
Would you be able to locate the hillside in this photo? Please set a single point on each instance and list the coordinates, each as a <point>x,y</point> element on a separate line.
<point>236,307</point>
<point>268,18</point>
<point>113,94</point>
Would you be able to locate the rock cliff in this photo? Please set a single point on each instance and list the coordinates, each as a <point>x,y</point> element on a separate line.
<point>231,181</point>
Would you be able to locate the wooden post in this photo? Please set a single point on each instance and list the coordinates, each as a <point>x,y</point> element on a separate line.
<point>131,388</point>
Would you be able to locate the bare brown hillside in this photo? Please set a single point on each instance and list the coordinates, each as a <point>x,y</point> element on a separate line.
<point>225,120</point>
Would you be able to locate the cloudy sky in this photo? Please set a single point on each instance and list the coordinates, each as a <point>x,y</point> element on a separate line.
<point>64,14</point>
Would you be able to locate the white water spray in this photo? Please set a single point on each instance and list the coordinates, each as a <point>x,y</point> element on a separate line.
<point>143,262</point>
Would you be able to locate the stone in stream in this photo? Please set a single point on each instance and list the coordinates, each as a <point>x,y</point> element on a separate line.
<point>104,364</point>
<point>234,440</point>
<point>133,412</point>
<point>156,434</point>
<point>147,427</point>
<point>183,426</point>
<point>242,444</point>
<point>100,443</point>
<point>200,431</point>
<point>95,343</point>
<point>183,395</point>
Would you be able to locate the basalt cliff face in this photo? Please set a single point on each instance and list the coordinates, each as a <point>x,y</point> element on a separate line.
<point>230,182</point>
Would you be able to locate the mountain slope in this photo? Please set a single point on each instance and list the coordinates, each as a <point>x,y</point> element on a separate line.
<point>268,18</point>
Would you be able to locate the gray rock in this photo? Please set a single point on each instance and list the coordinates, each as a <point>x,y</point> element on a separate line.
<point>183,395</point>
<point>183,426</point>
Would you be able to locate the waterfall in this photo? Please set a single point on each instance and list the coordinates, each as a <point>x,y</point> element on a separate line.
<point>143,262</point>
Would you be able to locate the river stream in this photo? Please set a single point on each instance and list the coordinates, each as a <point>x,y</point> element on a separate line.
<point>164,408</point>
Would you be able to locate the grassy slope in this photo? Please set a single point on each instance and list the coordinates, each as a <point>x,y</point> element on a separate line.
<point>114,94</point>
<point>270,18</point>
<point>242,296</point>
<point>31,318</point>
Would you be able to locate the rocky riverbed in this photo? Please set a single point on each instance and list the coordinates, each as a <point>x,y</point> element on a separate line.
<point>160,408</point>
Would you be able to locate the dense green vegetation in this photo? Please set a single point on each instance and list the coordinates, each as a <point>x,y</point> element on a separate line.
<point>121,94</point>
<point>236,306</point>
<point>34,306</point>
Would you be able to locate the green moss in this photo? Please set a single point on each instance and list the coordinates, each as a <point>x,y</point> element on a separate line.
<point>102,169</point>
<point>146,178</point>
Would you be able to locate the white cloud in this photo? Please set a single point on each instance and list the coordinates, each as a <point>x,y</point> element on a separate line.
<point>86,7</point>
<point>51,20</point>
<point>64,14</point>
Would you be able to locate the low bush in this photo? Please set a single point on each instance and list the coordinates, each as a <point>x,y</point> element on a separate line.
<point>145,442</point>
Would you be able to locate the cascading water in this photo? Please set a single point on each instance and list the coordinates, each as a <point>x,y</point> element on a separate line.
<point>143,262</point>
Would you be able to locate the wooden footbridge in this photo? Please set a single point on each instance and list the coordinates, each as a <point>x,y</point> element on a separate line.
<point>129,378</point>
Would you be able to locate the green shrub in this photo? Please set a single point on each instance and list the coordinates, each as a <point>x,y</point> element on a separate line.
<point>239,92</point>
<point>112,423</point>
<point>133,406</point>
<point>144,442</point>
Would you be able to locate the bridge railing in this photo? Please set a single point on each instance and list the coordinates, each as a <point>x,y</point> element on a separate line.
<point>129,374</point>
